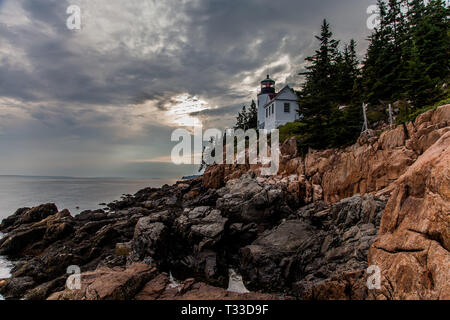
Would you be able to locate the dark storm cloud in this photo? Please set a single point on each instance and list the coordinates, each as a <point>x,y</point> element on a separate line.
<point>63,79</point>
<point>218,49</point>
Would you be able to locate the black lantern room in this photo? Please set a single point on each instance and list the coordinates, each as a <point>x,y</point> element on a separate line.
<point>268,86</point>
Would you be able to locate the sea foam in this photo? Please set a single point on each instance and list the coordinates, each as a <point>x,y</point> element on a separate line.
<point>5,267</point>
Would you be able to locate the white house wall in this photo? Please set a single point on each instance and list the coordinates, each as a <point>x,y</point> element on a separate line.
<point>279,117</point>
<point>262,100</point>
<point>287,94</point>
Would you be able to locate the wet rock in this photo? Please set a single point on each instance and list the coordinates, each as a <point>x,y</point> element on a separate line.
<point>15,243</point>
<point>261,263</point>
<point>160,289</point>
<point>27,215</point>
<point>42,291</point>
<point>15,288</point>
<point>245,200</point>
<point>322,242</point>
<point>346,286</point>
<point>109,284</point>
<point>149,239</point>
<point>154,289</point>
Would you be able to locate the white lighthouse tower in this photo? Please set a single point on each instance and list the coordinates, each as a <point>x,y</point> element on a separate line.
<point>267,93</point>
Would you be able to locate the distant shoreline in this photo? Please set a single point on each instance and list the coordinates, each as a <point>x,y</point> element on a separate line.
<point>69,177</point>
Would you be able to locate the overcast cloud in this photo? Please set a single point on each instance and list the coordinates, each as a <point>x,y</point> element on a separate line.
<point>103,101</point>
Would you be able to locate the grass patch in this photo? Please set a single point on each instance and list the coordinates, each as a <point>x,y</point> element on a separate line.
<point>291,129</point>
<point>404,118</point>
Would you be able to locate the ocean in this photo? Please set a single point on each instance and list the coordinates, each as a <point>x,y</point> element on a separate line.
<point>74,194</point>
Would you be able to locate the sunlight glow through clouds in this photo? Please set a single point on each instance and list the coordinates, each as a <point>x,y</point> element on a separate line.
<point>176,112</point>
<point>181,108</point>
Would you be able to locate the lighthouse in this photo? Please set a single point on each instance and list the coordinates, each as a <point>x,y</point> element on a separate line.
<point>276,108</point>
<point>265,95</point>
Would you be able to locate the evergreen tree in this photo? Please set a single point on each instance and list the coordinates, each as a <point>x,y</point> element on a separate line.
<point>393,57</point>
<point>407,52</point>
<point>241,119</point>
<point>319,95</point>
<point>432,38</point>
<point>252,117</point>
<point>420,87</point>
<point>348,72</point>
<point>247,119</point>
<point>374,68</point>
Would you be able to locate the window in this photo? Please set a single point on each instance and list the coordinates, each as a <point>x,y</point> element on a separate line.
<point>267,112</point>
<point>287,108</point>
<point>272,109</point>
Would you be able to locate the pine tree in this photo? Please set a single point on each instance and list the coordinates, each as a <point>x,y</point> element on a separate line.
<point>319,95</point>
<point>241,119</point>
<point>373,82</point>
<point>407,52</point>
<point>247,119</point>
<point>393,57</point>
<point>252,116</point>
<point>347,67</point>
<point>432,38</point>
<point>420,87</point>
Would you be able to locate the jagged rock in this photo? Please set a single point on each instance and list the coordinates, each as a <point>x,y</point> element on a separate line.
<point>391,139</point>
<point>154,288</point>
<point>15,288</point>
<point>149,238</point>
<point>109,284</point>
<point>15,243</point>
<point>370,165</point>
<point>26,215</point>
<point>412,249</point>
<point>91,215</point>
<point>261,263</point>
<point>214,177</point>
<point>346,286</point>
<point>322,242</point>
<point>42,291</point>
<point>141,282</point>
<point>294,166</point>
<point>210,226</point>
<point>245,200</point>
<point>160,288</point>
<point>289,147</point>
<point>123,249</point>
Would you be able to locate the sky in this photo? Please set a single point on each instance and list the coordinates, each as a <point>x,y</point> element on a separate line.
<point>104,100</point>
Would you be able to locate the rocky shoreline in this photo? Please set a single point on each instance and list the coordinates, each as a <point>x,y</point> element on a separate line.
<point>308,233</point>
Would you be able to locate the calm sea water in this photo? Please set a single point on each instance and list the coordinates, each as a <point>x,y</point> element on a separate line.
<point>75,194</point>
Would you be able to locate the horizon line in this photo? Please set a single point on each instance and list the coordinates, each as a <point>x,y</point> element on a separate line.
<point>75,177</point>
